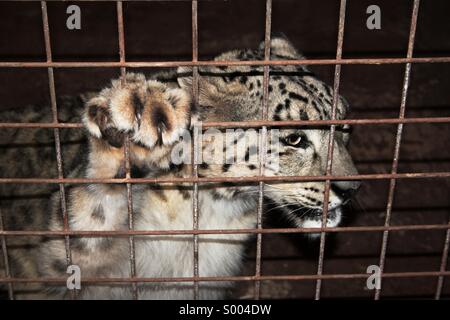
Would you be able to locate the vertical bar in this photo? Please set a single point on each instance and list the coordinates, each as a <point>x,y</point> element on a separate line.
<point>54,107</point>
<point>6,259</point>
<point>130,217</point>
<point>443,267</point>
<point>127,155</point>
<point>392,183</point>
<point>326,196</point>
<point>195,218</point>
<point>121,38</point>
<point>263,144</point>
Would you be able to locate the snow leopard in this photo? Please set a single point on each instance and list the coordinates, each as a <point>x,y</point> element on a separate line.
<point>154,113</point>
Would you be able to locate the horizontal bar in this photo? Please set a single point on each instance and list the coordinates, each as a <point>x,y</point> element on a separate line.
<point>44,125</point>
<point>260,123</point>
<point>172,64</point>
<point>230,278</point>
<point>373,176</point>
<point>126,233</point>
<point>250,124</point>
<point>105,0</point>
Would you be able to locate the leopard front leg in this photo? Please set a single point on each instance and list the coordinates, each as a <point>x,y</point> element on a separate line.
<point>153,116</point>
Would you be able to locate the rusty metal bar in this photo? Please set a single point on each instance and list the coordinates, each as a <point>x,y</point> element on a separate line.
<point>121,33</point>
<point>108,0</point>
<point>195,211</point>
<point>443,266</point>
<point>308,123</point>
<point>398,139</point>
<point>126,281</point>
<point>195,145</point>
<point>253,123</point>
<point>126,233</point>
<point>172,64</point>
<point>257,123</point>
<point>263,144</point>
<point>132,249</point>
<point>59,161</point>
<point>6,258</point>
<point>273,179</point>
<point>326,195</point>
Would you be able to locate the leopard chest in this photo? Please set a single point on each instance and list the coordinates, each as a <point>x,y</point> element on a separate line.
<point>172,255</point>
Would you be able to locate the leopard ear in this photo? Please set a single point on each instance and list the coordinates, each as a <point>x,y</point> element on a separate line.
<point>95,116</point>
<point>184,78</point>
<point>281,46</point>
<point>206,84</point>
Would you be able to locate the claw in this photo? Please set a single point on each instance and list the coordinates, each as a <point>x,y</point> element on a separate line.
<point>161,127</point>
<point>138,108</point>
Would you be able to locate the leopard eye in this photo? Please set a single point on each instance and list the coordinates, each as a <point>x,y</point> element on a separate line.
<point>296,140</point>
<point>345,128</point>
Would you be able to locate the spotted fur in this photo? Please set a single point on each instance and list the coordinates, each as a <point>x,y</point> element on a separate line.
<point>153,114</point>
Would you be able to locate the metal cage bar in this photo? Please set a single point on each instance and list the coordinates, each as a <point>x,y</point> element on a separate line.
<point>195,148</point>
<point>253,123</point>
<point>171,64</point>
<point>326,195</point>
<point>6,260</point>
<point>398,140</point>
<point>127,281</point>
<point>123,233</point>
<point>132,250</point>
<point>59,161</point>
<point>443,267</point>
<point>373,176</point>
<point>263,145</point>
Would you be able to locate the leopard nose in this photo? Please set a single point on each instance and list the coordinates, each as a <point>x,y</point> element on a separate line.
<point>345,189</point>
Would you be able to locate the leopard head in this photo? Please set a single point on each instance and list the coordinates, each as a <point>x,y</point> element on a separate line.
<point>235,93</point>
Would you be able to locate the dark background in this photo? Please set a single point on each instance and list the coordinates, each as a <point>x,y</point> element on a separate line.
<point>162,31</point>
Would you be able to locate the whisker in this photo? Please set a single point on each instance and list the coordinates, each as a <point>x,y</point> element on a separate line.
<point>308,210</point>
<point>277,207</point>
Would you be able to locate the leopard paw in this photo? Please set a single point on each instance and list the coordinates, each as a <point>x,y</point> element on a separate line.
<point>149,111</point>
